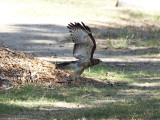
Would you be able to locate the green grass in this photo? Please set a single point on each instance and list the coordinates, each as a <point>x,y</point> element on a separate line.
<point>128,100</point>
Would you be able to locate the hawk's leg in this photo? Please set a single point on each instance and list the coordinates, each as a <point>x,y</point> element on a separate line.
<point>75,79</point>
<point>76,75</point>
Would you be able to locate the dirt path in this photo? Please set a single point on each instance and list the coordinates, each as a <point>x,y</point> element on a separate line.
<point>49,40</point>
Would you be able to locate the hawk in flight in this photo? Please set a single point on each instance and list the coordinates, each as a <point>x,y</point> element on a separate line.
<point>84,47</point>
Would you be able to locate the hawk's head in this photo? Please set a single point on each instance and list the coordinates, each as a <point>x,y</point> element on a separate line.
<point>96,61</point>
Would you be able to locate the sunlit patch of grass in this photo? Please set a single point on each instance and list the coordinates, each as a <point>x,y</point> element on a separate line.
<point>96,72</point>
<point>107,73</point>
<point>121,43</point>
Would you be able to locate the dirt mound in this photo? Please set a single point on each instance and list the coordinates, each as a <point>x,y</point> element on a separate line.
<point>17,69</point>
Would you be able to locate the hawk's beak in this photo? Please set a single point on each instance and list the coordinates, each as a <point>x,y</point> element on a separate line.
<point>100,61</point>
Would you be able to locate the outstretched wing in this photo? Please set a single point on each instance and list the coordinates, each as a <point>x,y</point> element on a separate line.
<point>85,44</point>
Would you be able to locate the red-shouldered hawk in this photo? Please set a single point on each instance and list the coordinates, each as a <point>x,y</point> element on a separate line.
<point>84,48</point>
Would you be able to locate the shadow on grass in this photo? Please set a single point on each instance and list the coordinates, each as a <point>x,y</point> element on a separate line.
<point>139,108</point>
<point>134,66</point>
<point>144,32</point>
<point>125,106</point>
<point>127,51</point>
<point>7,110</point>
<point>143,109</point>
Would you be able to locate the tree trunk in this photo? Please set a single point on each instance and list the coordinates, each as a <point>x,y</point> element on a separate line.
<point>149,4</point>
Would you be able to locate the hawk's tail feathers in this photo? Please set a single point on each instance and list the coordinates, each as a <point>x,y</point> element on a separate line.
<point>70,64</point>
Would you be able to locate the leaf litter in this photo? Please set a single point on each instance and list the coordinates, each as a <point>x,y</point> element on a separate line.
<point>18,69</point>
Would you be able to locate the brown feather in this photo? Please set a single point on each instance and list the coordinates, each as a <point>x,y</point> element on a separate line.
<point>84,47</point>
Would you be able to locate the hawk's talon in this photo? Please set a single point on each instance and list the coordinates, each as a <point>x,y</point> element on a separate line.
<point>74,82</point>
<point>77,83</point>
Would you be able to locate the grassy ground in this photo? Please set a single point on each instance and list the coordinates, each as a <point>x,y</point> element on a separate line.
<point>130,90</point>
<point>133,94</point>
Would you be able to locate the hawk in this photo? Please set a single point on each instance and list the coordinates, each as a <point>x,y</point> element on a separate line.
<point>84,47</point>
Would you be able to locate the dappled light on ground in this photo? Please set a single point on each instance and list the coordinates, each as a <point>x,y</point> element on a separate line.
<point>47,105</point>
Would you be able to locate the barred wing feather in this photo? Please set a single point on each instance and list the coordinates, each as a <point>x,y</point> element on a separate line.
<point>85,45</point>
